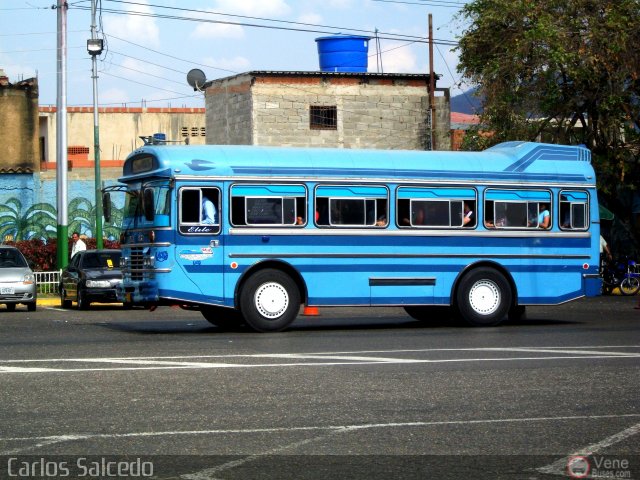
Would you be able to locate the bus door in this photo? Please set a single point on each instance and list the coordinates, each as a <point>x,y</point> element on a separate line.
<point>199,246</point>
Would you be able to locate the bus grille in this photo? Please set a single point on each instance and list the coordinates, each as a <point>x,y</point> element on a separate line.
<point>137,263</point>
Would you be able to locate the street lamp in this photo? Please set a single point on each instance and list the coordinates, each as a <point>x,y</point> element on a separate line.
<point>95,47</point>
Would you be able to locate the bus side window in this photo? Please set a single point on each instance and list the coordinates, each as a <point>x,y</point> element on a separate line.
<point>322,211</point>
<point>199,207</point>
<point>520,208</point>
<point>210,207</point>
<point>489,214</point>
<point>574,210</point>
<point>190,206</point>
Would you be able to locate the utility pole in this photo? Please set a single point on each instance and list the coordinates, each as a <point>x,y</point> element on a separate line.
<point>61,137</point>
<point>94,47</point>
<point>432,87</point>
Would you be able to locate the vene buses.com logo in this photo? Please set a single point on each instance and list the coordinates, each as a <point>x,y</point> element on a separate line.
<point>578,467</point>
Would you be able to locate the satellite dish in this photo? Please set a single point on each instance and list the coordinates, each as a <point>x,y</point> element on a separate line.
<point>196,78</point>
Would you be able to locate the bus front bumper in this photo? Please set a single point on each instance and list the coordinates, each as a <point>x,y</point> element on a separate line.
<point>138,293</point>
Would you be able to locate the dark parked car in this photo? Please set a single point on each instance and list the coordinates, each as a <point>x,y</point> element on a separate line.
<point>17,281</point>
<point>91,276</point>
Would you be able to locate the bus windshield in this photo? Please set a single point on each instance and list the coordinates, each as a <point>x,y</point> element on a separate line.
<point>133,208</point>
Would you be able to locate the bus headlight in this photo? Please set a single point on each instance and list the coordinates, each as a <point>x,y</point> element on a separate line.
<point>124,261</point>
<point>149,262</point>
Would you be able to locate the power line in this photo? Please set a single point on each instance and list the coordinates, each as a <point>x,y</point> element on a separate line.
<point>430,3</point>
<point>389,36</point>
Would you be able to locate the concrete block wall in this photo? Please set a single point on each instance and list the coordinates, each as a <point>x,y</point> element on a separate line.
<point>380,116</point>
<point>265,108</point>
<point>229,114</point>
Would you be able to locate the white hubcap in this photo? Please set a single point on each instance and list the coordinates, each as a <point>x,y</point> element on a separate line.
<point>271,300</point>
<point>484,297</point>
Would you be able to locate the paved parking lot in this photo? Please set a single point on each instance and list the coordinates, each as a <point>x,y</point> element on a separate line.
<point>352,393</point>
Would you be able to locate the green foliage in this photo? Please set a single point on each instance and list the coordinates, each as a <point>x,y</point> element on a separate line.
<point>564,71</point>
<point>40,220</point>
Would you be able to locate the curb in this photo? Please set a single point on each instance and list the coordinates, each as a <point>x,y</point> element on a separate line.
<point>48,301</point>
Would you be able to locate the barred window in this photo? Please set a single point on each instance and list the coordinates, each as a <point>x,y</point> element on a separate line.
<point>323,117</point>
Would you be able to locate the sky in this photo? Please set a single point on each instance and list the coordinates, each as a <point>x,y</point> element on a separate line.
<point>152,44</point>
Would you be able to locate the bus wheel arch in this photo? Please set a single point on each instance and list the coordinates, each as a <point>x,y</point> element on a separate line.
<point>484,294</point>
<point>269,296</point>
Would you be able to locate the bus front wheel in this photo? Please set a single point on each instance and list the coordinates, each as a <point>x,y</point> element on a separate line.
<point>269,301</point>
<point>483,297</point>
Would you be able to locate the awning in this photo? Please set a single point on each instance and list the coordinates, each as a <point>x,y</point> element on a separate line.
<point>605,213</point>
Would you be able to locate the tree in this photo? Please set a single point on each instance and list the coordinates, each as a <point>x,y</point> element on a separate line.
<point>566,71</point>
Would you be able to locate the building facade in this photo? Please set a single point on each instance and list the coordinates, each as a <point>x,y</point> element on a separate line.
<point>120,131</point>
<point>326,109</point>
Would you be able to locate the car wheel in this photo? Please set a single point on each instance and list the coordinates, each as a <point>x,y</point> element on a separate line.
<point>269,301</point>
<point>83,303</point>
<point>11,307</point>
<point>484,297</point>
<point>31,307</point>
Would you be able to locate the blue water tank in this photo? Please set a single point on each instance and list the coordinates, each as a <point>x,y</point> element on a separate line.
<point>343,53</point>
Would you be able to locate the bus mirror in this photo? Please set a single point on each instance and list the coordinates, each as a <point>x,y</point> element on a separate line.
<point>148,204</point>
<point>106,206</point>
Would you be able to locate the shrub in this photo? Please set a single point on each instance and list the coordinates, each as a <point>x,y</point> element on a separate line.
<point>43,254</point>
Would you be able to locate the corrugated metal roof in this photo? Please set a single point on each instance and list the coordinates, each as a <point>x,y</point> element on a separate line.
<point>317,73</point>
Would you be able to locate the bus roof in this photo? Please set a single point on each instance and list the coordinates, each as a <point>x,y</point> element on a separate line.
<point>506,162</point>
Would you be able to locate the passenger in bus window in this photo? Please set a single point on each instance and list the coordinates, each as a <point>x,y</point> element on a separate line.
<point>418,216</point>
<point>209,212</point>
<point>468,219</point>
<point>544,217</point>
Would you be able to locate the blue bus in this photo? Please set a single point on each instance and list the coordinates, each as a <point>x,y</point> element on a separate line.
<point>483,234</point>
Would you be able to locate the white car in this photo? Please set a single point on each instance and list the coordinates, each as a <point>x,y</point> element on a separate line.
<point>17,281</point>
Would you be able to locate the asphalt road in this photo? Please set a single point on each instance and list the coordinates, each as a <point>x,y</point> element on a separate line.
<point>352,393</point>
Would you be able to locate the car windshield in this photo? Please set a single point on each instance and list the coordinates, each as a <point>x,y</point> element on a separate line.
<point>101,260</point>
<point>10,258</point>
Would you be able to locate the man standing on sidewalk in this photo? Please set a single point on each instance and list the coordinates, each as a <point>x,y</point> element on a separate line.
<point>78,244</point>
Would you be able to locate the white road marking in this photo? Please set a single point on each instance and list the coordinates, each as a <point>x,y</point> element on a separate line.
<point>300,359</point>
<point>93,436</point>
<point>559,467</point>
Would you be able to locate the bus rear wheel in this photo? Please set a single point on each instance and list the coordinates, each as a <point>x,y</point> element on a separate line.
<point>269,301</point>
<point>483,297</point>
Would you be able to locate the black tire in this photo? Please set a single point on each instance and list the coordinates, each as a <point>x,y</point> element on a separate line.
<point>225,318</point>
<point>83,303</point>
<point>629,285</point>
<point>483,297</point>
<point>517,313</point>
<point>429,313</point>
<point>31,307</point>
<point>11,307</point>
<point>269,301</point>
<point>64,303</point>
